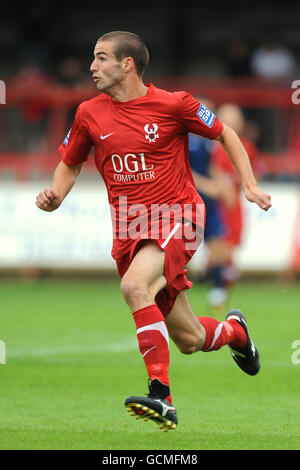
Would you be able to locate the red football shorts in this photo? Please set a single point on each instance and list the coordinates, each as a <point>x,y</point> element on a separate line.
<point>178,252</point>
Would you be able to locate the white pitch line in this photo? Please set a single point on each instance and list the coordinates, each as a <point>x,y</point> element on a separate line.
<point>73,350</point>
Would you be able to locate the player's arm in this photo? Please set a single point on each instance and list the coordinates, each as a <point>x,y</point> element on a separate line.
<point>239,157</point>
<point>74,151</point>
<point>63,180</point>
<point>200,120</point>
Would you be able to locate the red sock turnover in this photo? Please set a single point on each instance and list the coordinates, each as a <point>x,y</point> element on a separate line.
<point>153,339</point>
<point>220,333</point>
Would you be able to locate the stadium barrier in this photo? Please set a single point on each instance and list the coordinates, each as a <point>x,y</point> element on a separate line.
<point>53,107</point>
<point>79,234</point>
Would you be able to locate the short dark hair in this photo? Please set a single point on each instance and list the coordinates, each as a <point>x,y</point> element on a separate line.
<point>129,45</point>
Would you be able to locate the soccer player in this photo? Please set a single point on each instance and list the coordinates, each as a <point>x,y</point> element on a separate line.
<point>211,189</point>
<point>140,139</point>
<point>232,216</point>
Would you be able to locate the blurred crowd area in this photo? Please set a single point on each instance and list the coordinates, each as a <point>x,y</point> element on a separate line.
<point>48,47</point>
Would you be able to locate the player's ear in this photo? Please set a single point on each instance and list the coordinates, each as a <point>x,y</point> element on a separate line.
<point>128,64</point>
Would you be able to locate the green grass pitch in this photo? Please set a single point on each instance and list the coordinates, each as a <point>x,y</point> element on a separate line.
<point>72,359</point>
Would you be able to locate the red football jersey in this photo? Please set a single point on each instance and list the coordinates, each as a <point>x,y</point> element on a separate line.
<point>141,152</point>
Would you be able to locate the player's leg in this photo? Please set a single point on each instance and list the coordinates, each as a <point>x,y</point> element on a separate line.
<point>230,272</point>
<point>217,294</point>
<point>191,333</point>
<point>144,277</point>
<point>184,327</point>
<point>233,223</point>
<point>212,334</point>
<point>140,284</point>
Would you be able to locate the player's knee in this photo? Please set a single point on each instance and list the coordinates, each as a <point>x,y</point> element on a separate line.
<point>134,290</point>
<point>190,344</point>
<point>187,348</point>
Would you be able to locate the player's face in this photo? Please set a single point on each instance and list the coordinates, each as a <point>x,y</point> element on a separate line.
<point>106,70</point>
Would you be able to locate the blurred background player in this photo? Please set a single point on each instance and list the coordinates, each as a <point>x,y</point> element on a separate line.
<point>211,189</point>
<point>231,214</point>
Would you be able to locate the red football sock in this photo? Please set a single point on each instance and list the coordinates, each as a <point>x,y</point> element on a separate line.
<point>220,333</point>
<point>153,339</point>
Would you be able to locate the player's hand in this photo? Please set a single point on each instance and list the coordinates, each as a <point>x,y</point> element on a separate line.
<point>48,200</point>
<point>260,197</point>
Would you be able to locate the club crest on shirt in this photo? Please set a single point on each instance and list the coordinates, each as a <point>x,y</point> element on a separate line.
<point>151,132</point>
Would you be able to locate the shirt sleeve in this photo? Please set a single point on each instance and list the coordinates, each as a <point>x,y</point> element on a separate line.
<point>197,118</point>
<point>77,144</point>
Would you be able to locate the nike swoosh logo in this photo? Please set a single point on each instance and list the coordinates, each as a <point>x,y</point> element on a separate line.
<point>148,351</point>
<point>102,137</point>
